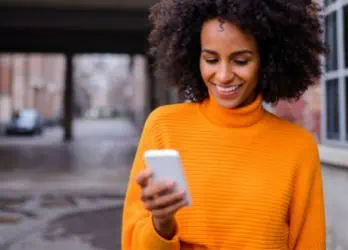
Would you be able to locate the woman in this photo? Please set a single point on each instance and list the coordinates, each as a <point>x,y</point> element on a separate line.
<point>255,179</point>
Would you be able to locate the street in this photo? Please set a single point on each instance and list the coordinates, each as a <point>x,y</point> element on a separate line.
<point>55,195</point>
<point>100,156</point>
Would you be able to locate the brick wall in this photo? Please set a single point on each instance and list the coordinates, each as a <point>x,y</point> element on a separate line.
<point>5,74</point>
<point>31,81</point>
<point>305,112</point>
<point>5,89</point>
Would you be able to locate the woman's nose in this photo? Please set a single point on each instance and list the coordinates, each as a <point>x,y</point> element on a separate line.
<point>224,75</point>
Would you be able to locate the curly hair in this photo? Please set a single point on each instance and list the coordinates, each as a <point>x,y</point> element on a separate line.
<point>288,34</point>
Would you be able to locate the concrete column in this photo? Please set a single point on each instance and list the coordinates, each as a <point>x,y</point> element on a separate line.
<point>151,84</point>
<point>140,85</point>
<point>68,98</point>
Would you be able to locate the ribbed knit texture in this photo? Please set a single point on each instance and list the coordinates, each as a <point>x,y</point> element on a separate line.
<point>255,181</point>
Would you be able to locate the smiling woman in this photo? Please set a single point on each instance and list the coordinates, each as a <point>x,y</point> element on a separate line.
<point>254,179</point>
<point>229,64</point>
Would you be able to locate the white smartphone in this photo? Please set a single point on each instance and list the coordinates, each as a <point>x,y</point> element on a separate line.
<point>166,165</point>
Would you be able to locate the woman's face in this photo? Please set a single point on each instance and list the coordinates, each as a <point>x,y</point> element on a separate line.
<point>229,63</point>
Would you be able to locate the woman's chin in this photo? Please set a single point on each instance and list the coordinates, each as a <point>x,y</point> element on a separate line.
<point>226,103</point>
<point>229,105</point>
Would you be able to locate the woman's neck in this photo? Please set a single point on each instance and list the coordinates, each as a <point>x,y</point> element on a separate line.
<point>244,116</point>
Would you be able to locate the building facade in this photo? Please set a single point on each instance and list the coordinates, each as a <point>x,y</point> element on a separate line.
<point>323,109</point>
<point>31,81</point>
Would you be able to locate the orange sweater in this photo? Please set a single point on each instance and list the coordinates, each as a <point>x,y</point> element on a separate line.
<point>255,181</point>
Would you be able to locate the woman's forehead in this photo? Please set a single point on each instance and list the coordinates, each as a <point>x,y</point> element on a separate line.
<point>224,34</point>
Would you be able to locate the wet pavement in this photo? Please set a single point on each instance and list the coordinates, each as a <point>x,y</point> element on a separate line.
<point>97,144</point>
<point>89,223</point>
<point>100,155</point>
<point>56,195</point>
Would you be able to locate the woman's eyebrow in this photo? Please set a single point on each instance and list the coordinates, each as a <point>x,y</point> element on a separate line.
<point>209,51</point>
<point>236,53</point>
<point>245,51</point>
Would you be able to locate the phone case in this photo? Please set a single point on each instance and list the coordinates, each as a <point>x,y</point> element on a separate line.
<point>166,165</point>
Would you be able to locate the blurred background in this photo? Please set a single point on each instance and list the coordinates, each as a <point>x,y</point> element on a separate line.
<point>75,90</point>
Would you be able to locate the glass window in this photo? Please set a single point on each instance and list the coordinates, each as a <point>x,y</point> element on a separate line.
<point>328,2</point>
<point>346,106</point>
<point>332,110</point>
<point>331,39</point>
<point>345,42</point>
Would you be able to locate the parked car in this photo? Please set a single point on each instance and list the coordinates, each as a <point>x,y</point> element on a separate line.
<point>28,121</point>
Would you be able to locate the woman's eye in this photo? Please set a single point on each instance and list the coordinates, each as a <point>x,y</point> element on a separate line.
<point>241,62</point>
<point>211,60</point>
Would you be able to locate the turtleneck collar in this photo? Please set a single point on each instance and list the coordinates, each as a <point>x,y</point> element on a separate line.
<point>239,117</point>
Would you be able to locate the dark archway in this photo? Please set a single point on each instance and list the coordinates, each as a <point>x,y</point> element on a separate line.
<point>71,29</point>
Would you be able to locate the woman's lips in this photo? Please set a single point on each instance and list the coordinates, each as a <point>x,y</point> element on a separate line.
<point>227,91</point>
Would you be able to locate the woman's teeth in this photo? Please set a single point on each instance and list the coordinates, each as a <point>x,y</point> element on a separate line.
<point>228,89</point>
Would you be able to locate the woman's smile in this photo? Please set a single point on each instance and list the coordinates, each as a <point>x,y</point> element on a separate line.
<point>227,91</point>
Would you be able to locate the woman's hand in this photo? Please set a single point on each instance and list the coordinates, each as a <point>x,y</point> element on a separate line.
<point>162,200</point>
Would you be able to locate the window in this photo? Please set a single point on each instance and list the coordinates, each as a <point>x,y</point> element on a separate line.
<point>345,41</point>
<point>335,112</point>
<point>332,110</point>
<point>328,2</point>
<point>346,107</point>
<point>331,40</point>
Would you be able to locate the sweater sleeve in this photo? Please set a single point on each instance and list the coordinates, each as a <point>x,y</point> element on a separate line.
<point>307,216</point>
<point>138,232</point>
